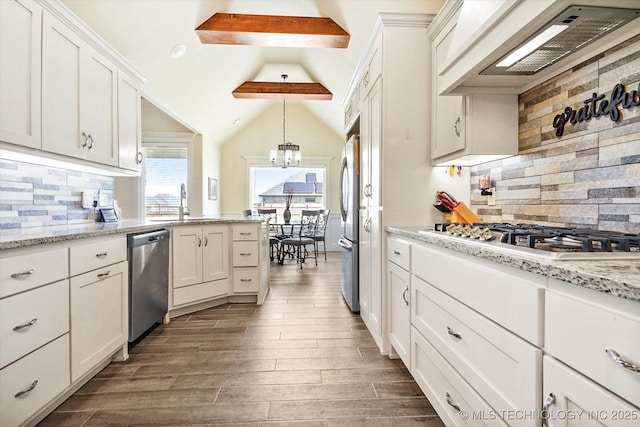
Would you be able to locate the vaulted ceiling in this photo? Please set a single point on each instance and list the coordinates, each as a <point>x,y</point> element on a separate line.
<point>197,87</point>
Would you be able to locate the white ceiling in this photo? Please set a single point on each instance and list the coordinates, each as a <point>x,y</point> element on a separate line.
<point>196,88</point>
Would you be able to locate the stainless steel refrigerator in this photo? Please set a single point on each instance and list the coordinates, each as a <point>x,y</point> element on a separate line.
<point>349,203</point>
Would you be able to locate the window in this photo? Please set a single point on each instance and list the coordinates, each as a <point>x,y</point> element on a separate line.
<point>269,185</point>
<point>164,169</point>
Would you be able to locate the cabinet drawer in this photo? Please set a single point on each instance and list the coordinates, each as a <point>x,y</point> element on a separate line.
<point>97,254</point>
<point>577,333</point>
<point>508,296</point>
<point>24,272</point>
<point>32,319</point>
<point>245,254</point>
<point>49,366</point>
<point>399,252</point>
<point>245,232</point>
<point>246,279</point>
<point>579,402</point>
<point>202,291</point>
<point>503,368</point>
<point>444,387</point>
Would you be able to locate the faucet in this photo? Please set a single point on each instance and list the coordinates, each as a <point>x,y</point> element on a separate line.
<point>183,195</point>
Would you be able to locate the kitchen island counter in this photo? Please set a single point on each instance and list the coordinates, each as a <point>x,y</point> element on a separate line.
<point>17,238</point>
<point>618,277</point>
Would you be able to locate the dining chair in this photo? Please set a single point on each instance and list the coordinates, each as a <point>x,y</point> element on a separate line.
<point>304,238</point>
<point>274,239</point>
<point>321,232</point>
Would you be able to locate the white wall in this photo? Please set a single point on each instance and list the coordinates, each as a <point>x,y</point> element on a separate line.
<point>264,134</point>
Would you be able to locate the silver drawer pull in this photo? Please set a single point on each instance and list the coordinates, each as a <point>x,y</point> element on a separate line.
<point>450,402</point>
<point>26,390</point>
<point>25,325</point>
<point>23,274</point>
<point>404,295</point>
<point>620,361</point>
<point>396,252</point>
<point>105,274</point>
<point>245,253</point>
<point>245,234</point>
<point>102,255</point>
<point>245,280</point>
<point>453,334</point>
<point>550,400</point>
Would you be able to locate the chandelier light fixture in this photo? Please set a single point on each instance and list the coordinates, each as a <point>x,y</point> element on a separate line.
<point>290,152</point>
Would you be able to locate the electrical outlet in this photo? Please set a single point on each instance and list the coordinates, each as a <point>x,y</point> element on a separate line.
<point>87,199</point>
<point>491,200</point>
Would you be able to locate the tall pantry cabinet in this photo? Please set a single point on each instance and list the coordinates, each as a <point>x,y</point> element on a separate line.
<point>392,83</point>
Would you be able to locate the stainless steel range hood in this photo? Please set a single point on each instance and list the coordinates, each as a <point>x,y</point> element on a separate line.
<point>573,29</point>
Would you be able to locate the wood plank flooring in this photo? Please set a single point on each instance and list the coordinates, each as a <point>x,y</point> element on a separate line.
<point>301,359</point>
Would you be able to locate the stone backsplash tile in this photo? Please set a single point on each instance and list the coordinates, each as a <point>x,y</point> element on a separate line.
<point>588,177</point>
<point>35,195</point>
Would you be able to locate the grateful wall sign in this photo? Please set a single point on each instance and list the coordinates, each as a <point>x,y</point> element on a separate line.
<point>597,106</point>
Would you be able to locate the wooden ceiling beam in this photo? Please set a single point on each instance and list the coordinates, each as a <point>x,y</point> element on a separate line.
<point>272,30</point>
<point>274,90</point>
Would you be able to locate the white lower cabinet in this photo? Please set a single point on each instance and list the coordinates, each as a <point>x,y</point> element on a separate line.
<point>98,316</point>
<point>32,382</point>
<point>246,259</point>
<point>572,400</point>
<point>495,345</point>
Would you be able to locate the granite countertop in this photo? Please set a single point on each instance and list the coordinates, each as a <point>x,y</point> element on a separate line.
<point>17,238</point>
<point>620,278</point>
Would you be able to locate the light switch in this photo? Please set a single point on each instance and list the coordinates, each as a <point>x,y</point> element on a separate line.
<point>87,199</point>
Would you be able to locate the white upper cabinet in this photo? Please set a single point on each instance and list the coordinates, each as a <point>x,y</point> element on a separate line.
<point>20,47</point>
<point>468,129</point>
<point>129,127</point>
<point>78,96</point>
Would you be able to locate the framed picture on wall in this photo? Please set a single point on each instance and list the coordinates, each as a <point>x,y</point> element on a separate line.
<point>213,189</point>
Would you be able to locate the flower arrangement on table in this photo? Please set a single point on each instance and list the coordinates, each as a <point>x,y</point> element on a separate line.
<point>288,198</point>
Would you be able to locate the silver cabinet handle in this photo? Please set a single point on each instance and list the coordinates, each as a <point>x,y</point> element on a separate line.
<point>25,325</point>
<point>396,252</point>
<point>23,274</point>
<point>451,403</point>
<point>199,241</point>
<point>245,280</point>
<point>84,140</point>
<point>26,390</point>
<point>206,240</point>
<point>404,295</point>
<point>456,127</point>
<point>105,274</point>
<point>245,234</point>
<point>90,142</point>
<point>245,253</point>
<point>550,400</point>
<point>620,361</point>
<point>102,255</point>
<point>139,157</point>
<point>453,334</point>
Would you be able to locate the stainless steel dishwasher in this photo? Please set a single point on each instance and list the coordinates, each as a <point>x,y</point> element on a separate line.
<point>148,280</point>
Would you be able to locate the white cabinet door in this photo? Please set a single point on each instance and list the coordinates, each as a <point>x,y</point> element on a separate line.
<point>574,401</point>
<point>61,58</point>
<point>129,130</point>
<point>99,312</point>
<point>98,113</point>
<point>370,275</point>
<point>448,112</point>
<point>187,256</point>
<point>20,72</point>
<point>400,321</point>
<point>364,259</point>
<point>215,253</point>
<point>370,145</point>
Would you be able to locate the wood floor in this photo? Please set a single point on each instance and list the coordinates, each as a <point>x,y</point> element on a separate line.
<point>302,359</point>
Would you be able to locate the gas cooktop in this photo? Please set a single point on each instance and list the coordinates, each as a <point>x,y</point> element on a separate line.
<point>552,243</point>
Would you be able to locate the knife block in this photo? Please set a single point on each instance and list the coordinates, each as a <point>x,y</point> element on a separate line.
<point>462,214</point>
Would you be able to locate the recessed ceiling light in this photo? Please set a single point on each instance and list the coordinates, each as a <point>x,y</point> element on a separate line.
<point>178,50</point>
